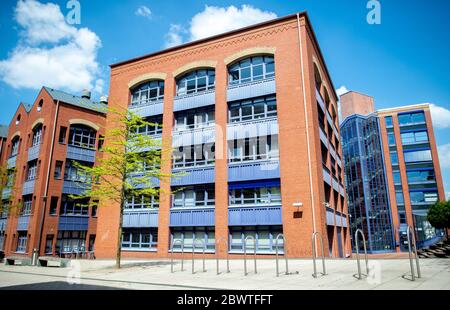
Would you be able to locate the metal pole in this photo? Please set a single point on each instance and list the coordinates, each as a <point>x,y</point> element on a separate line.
<point>285,254</point>
<point>419,275</point>
<point>171,254</point>
<point>245,254</point>
<point>204,254</point>
<point>410,233</point>
<point>360,232</point>
<point>315,234</point>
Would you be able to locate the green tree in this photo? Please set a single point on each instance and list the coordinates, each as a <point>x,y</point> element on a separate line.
<point>8,190</point>
<point>129,165</point>
<point>439,215</point>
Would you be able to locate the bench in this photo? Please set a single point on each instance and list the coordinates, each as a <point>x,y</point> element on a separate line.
<point>18,261</point>
<point>49,261</point>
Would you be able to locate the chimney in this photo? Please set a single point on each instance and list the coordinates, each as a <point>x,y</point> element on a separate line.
<point>104,99</point>
<point>86,94</point>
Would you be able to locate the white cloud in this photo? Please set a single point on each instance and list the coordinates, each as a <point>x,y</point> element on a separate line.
<point>51,52</point>
<point>444,155</point>
<point>440,116</point>
<point>342,90</point>
<point>215,20</point>
<point>174,36</point>
<point>143,11</point>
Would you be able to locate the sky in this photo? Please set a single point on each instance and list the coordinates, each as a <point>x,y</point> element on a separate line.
<point>400,61</point>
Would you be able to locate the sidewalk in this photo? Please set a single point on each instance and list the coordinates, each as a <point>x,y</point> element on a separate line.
<point>387,274</point>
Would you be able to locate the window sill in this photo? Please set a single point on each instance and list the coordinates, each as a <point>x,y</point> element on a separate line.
<point>139,250</point>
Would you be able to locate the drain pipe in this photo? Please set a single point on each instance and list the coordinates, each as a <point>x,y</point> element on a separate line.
<point>306,121</point>
<point>45,197</point>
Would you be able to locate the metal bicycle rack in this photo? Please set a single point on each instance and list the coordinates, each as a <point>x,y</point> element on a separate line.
<point>285,254</point>
<point>360,232</point>
<point>410,233</point>
<point>217,255</point>
<point>181,242</point>
<point>193,252</point>
<point>245,254</point>
<point>315,234</point>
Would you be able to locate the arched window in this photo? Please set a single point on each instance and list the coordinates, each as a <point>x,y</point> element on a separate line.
<point>252,69</point>
<point>82,136</point>
<point>317,78</point>
<point>18,119</point>
<point>15,146</point>
<point>196,81</point>
<point>37,135</point>
<point>39,107</point>
<point>148,92</point>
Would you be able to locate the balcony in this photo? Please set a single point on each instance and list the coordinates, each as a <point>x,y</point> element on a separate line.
<point>326,175</point>
<point>194,175</point>
<point>252,216</point>
<point>28,187</point>
<point>73,223</point>
<point>11,163</point>
<point>81,154</point>
<point>341,190</point>
<point>33,152</point>
<point>254,170</point>
<point>338,220</point>
<point>140,218</point>
<point>75,188</point>
<point>196,100</point>
<point>320,101</point>
<point>192,217</point>
<point>151,108</point>
<point>3,222</point>
<point>251,90</point>
<point>23,222</point>
<point>253,128</point>
<point>194,136</point>
<point>6,193</point>
<point>323,137</point>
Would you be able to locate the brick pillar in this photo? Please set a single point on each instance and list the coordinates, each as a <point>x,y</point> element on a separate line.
<point>221,185</point>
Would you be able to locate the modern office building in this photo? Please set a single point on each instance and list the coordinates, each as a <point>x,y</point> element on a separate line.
<point>42,143</point>
<point>392,171</point>
<point>250,117</point>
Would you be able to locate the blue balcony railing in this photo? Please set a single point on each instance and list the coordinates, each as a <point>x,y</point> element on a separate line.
<point>192,217</point>
<point>193,176</point>
<point>194,136</point>
<point>326,175</point>
<point>320,101</point>
<point>192,101</point>
<point>151,108</point>
<point>253,128</point>
<point>75,188</point>
<point>140,218</point>
<point>23,222</point>
<point>73,223</point>
<point>251,90</point>
<point>28,187</point>
<point>253,170</point>
<point>33,152</point>
<point>79,153</point>
<point>252,216</point>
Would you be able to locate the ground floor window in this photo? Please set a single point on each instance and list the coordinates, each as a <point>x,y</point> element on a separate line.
<point>140,238</point>
<point>22,240</point>
<point>2,240</point>
<point>206,235</point>
<point>71,241</point>
<point>49,244</point>
<point>264,236</point>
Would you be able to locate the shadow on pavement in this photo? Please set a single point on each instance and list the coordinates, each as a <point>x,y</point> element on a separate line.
<point>58,285</point>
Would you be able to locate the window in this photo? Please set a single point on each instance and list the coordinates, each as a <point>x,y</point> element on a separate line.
<point>250,149</point>
<point>419,176</point>
<point>101,142</point>
<point>389,122</point>
<point>194,155</point>
<point>411,118</point>
<point>49,244</point>
<point>194,197</point>
<point>394,158</point>
<point>39,107</point>
<point>196,81</point>
<point>18,119</point>
<point>32,171</point>
<point>194,118</point>
<point>75,174</point>
<point>15,146</point>
<point>58,170</point>
<point>74,207</point>
<point>69,241</point>
<point>264,238</point>
<point>257,108</point>
<point>418,156</point>
<point>142,202</point>
<point>27,205</point>
<point>53,205</point>
<point>399,197</point>
<point>391,139</point>
<point>397,177</point>
<point>414,137</point>
<point>22,239</point>
<point>429,197</point>
<point>94,210</point>
<point>402,217</point>
<point>150,92</point>
<point>37,135</point>
<point>141,239</point>
<point>82,136</point>
<point>252,69</point>
<point>62,135</point>
<point>189,234</point>
<point>255,196</point>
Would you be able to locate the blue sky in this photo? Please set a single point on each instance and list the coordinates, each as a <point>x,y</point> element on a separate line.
<point>404,60</point>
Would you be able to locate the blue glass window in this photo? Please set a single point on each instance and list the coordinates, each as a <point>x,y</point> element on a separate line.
<point>389,122</point>
<point>414,137</point>
<point>140,239</point>
<point>147,93</point>
<point>394,158</point>
<point>391,139</point>
<point>252,69</point>
<point>397,177</point>
<point>399,197</point>
<point>420,176</point>
<point>418,156</point>
<point>196,81</point>
<point>424,197</point>
<point>411,118</point>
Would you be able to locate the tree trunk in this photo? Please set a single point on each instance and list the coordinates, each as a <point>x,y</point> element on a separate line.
<point>119,241</point>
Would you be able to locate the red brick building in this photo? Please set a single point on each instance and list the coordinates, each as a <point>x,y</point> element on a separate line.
<point>251,117</point>
<point>41,144</point>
